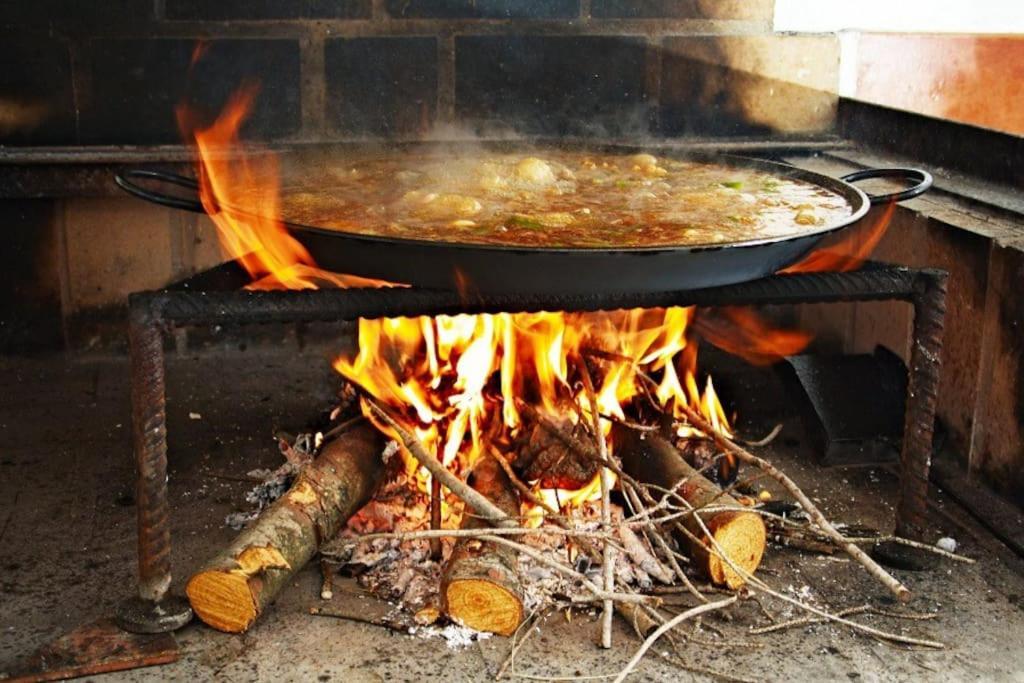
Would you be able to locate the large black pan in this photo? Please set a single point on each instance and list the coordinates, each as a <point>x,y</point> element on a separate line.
<point>501,269</point>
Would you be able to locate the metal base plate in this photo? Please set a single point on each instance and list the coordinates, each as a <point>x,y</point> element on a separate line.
<point>137,615</point>
<point>96,648</point>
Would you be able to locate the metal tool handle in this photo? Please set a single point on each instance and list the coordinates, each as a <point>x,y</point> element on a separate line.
<point>125,181</point>
<point>922,181</point>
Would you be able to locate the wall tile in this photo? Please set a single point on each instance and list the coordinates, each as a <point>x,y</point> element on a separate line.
<point>552,85</point>
<point>742,85</point>
<point>225,10</point>
<point>381,86</point>
<point>484,9</point>
<point>683,9</point>
<point>136,85</point>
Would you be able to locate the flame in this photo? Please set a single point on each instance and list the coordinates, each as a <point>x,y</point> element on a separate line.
<point>851,248</point>
<point>231,176</point>
<point>455,380</point>
<point>742,332</point>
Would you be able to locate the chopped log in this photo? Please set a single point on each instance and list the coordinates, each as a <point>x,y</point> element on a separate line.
<point>544,457</point>
<point>238,584</point>
<point>742,536</point>
<point>480,585</point>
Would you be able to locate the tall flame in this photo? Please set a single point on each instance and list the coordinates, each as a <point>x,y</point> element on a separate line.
<point>231,176</point>
<point>455,380</point>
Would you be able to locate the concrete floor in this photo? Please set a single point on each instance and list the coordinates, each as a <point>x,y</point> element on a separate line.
<point>67,534</point>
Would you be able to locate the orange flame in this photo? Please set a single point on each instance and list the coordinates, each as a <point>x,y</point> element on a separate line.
<point>455,380</point>
<point>230,176</point>
<point>742,332</point>
<point>850,249</point>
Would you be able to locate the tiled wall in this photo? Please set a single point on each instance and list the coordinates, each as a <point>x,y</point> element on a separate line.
<point>112,72</point>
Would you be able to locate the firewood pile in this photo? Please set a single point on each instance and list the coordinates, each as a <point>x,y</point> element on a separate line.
<point>573,510</point>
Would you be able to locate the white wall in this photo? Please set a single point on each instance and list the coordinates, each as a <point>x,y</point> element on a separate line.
<point>907,16</point>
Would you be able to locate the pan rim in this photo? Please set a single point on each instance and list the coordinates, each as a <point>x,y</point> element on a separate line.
<point>836,185</point>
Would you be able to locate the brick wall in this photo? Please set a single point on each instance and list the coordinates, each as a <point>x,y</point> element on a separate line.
<point>80,73</point>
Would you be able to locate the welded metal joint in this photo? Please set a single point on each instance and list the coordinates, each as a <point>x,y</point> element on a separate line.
<point>929,301</point>
<point>150,611</point>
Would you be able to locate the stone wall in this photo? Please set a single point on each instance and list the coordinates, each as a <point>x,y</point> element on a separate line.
<point>111,73</point>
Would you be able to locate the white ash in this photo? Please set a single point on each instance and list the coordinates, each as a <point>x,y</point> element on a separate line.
<point>458,637</point>
<point>390,450</point>
<point>238,520</point>
<point>404,572</point>
<point>275,483</point>
<point>946,543</point>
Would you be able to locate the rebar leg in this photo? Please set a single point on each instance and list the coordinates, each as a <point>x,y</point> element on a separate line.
<point>151,611</point>
<point>922,392</point>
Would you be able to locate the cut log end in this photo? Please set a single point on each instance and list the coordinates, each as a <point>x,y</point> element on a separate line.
<point>223,600</point>
<point>742,536</point>
<point>238,583</point>
<point>484,606</point>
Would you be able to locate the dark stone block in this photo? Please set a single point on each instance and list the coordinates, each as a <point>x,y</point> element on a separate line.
<point>75,16</point>
<point>696,99</point>
<point>485,9</point>
<point>36,95</point>
<point>645,9</point>
<point>748,10</point>
<point>226,10</point>
<point>552,85</point>
<point>381,86</point>
<point>748,85</point>
<point>137,84</point>
<point>30,318</point>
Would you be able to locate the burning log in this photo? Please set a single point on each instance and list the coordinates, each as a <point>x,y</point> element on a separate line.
<point>480,585</point>
<point>239,583</point>
<point>650,459</point>
<point>544,458</point>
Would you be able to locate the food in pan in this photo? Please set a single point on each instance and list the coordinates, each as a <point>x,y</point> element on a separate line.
<point>548,198</point>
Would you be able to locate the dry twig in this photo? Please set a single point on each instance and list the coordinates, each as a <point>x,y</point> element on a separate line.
<point>472,498</point>
<point>888,580</point>
<point>667,626</point>
<point>608,555</point>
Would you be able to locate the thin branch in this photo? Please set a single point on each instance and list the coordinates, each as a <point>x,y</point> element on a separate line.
<point>888,580</point>
<point>472,498</point>
<point>608,555</point>
<point>667,626</point>
<point>598,592</point>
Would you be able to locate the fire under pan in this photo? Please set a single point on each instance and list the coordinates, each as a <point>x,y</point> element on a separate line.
<point>215,298</point>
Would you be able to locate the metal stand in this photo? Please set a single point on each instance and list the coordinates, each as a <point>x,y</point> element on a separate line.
<point>150,312</point>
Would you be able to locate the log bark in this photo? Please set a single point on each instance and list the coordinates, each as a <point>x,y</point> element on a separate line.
<point>543,457</point>
<point>651,459</point>
<point>238,584</point>
<point>480,585</point>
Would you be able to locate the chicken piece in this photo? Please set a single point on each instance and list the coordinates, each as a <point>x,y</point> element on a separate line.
<point>447,206</point>
<point>642,160</point>
<point>807,217</point>
<point>647,164</point>
<point>535,171</point>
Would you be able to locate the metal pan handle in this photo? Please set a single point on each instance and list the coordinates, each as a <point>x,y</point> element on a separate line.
<point>126,182</point>
<point>922,181</point>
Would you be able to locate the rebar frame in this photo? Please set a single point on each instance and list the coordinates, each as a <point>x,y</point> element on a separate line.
<point>154,313</point>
